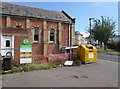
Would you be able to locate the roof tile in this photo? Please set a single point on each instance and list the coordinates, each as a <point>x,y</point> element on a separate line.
<point>18,10</point>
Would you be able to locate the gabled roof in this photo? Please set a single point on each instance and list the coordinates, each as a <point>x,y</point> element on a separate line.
<point>25,11</point>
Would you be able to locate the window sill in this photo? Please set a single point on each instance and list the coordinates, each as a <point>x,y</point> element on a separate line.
<point>35,42</point>
<point>51,42</point>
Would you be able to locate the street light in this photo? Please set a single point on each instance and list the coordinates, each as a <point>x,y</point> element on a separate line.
<point>90,28</point>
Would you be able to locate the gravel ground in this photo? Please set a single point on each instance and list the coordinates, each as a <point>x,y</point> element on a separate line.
<point>100,74</point>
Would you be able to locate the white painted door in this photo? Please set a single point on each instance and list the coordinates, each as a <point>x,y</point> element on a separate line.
<point>7,45</point>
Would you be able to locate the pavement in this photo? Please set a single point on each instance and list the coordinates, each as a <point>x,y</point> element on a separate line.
<point>100,74</point>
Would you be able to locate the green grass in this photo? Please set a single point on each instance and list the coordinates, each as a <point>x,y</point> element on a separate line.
<point>33,67</point>
<point>100,47</point>
<point>106,50</point>
<point>110,51</point>
<point>116,54</point>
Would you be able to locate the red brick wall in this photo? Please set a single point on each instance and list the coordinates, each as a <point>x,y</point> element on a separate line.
<point>18,21</point>
<point>52,24</point>
<point>10,31</point>
<point>50,57</point>
<point>37,47</point>
<point>52,47</point>
<point>18,40</point>
<point>36,22</point>
<point>65,35</point>
<point>3,21</point>
<point>55,57</point>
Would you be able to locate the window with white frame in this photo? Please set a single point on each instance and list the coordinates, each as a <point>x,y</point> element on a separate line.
<point>36,34</point>
<point>52,35</point>
<point>7,43</point>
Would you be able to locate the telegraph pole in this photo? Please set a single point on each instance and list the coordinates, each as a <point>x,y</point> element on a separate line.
<point>90,28</point>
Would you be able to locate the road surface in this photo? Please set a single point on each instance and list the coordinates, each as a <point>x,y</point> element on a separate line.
<point>100,74</point>
<point>108,57</point>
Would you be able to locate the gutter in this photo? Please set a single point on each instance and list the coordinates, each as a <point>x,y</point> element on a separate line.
<point>32,17</point>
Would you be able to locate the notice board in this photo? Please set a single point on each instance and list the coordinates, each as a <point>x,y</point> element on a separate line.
<point>25,54</point>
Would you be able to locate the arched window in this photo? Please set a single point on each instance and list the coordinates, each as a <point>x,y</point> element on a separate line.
<point>17,26</point>
<point>52,35</point>
<point>36,34</point>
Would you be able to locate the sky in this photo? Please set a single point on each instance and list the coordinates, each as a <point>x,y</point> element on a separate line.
<point>82,11</point>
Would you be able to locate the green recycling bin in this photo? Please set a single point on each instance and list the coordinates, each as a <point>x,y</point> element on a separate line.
<point>7,63</point>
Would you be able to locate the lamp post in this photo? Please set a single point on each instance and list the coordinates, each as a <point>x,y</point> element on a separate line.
<point>90,28</point>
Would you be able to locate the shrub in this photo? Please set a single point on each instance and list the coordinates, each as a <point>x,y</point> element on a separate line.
<point>16,69</point>
<point>77,63</point>
<point>57,62</point>
<point>44,66</point>
<point>112,42</point>
<point>77,59</point>
<point>112,45</point>
<point>118,46</point>
<point>32,67</point>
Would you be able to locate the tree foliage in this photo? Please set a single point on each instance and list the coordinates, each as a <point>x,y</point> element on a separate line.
<point>103,30</point>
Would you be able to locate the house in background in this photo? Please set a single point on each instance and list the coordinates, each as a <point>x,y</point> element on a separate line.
<point>79,39</point>
<point>116,38</point>
<point>46,30</point>
<point>93,42</point>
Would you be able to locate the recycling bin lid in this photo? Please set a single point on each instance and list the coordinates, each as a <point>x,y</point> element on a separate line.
<point>7,57</point>
<point>9,54</point>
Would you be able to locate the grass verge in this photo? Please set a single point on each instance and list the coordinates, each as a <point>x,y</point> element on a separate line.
<point>32,67</point>
<point>106,50</point>
<point>116,54</point>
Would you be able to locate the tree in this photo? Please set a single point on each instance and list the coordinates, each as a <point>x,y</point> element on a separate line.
<point>103,30</point>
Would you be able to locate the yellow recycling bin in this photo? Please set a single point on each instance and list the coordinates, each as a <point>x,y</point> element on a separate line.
<point>87,53</point>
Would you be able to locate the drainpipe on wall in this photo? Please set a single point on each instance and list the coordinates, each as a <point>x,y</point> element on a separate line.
<point>70,42</point>
<point>0,48</point>
<point>69,34</point>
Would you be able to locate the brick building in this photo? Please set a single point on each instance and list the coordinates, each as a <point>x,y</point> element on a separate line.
<point>46,30</point>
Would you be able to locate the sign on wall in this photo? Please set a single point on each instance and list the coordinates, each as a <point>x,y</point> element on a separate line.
<point>26,41</point>
<point>91,55</point>
<point>25,54</point>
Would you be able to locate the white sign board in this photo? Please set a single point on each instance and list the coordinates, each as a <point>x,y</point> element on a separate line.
<point>25,54</point>
<point>68,63</point>
<point>91,55</point>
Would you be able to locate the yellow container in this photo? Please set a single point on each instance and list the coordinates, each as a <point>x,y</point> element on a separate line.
<point>87,53</point>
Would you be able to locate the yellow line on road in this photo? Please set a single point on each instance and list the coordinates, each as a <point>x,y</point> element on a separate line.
<point>108,61</point>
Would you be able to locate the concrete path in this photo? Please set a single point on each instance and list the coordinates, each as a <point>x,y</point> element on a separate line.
<point>100,74</point>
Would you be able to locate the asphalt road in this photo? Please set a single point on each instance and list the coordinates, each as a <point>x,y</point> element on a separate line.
<point>108,57</point>
<point>100,74</point>
<point>104,73</point>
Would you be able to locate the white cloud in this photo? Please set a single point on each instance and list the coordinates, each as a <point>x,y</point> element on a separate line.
<point>97,4</point>
<point>85,34</point>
